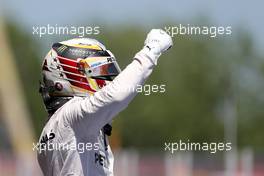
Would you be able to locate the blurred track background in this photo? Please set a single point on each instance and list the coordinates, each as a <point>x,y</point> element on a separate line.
<point>214,86</point>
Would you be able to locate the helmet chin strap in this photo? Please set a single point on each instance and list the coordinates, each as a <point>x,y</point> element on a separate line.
<point>52,104</point>
<point>107,129</point>
<point>55,103</point>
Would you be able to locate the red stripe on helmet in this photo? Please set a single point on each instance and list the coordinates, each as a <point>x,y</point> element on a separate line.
<point>100,83</point>
<point>72,66</point>
<point>66,61</point>
<point>76,77</point>
<point>71,69</point>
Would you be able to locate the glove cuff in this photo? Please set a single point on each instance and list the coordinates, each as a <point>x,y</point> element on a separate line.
<point>147,53</point>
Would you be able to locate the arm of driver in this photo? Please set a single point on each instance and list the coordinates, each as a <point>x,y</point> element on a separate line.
<point>93,112</point>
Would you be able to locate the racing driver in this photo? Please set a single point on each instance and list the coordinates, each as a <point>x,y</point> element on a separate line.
<point>83,89</point>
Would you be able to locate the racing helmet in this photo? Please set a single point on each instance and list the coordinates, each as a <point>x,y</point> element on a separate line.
<point>76,67</point>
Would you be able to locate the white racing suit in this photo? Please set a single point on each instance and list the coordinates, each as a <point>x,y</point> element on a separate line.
<point>79,122</point>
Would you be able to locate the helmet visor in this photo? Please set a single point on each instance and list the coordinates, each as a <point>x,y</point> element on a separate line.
<point>107,71</point>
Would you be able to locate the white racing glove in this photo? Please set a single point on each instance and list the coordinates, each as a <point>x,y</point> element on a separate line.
<point>157,42</point>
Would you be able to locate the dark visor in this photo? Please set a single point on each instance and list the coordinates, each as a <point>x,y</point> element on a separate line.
<point>106,72</point>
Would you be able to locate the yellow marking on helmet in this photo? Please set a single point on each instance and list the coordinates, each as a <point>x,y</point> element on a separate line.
<point>96,47</point>
<point>93,84</point>
<point>93,59</point>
